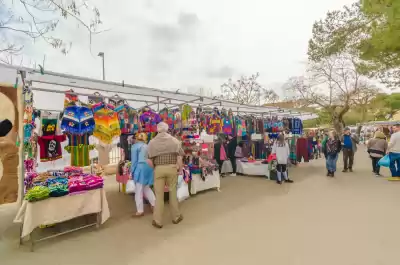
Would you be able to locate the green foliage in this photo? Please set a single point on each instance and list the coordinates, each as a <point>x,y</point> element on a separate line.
<point>369,32</point>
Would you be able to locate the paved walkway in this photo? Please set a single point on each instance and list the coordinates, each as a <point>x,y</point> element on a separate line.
<point>349,220</point>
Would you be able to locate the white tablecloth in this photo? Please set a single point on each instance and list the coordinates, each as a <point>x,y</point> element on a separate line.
<point>252,169</point>
<point>61,209</point>
<point>226,167</point>
<point>210,182</point>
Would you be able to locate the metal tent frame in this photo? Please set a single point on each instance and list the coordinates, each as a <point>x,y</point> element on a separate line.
<point>137,96</point>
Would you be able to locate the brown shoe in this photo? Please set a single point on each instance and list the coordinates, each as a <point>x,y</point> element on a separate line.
<point>156,225</point>
<point>178,220</point>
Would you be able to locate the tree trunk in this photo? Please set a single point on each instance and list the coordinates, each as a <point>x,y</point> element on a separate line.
<point>338,123</point>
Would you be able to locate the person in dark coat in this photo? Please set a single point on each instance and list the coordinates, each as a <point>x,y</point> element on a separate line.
<point>217,153</point>
<point>232,143</point>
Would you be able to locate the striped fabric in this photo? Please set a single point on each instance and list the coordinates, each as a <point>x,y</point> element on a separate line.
<point>79,149</point>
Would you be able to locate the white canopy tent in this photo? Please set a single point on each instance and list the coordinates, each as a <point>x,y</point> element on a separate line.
<point>50,88</point>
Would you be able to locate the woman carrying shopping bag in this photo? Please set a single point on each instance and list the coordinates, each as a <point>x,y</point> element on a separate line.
<point>282,151</point>
<point>331,151</point>
<point>142,174</point>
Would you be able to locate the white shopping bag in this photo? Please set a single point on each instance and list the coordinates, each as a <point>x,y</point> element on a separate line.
<point>130,187</point>
<point>183,189</point>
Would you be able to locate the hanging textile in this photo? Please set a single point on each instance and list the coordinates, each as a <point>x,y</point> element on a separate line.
<point>149,120</point>
<point>227,126</point>
<point>167,116</point>
<point>186,110</point>
<point>106,123</point>
<point>50,140</point>
<point>95,99</point>
<point>193,125</point>
<point>78,120</point>
<point>241,127</point>
<point>302,149</point>
<point>70,98</point>
<point>297,126</point>
<point>79,148</point>
<point>128,119</point>
<point>50,147</point>
<point>214,126</point>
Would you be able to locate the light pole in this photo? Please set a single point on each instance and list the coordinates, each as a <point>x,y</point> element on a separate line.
<point>101,54</point>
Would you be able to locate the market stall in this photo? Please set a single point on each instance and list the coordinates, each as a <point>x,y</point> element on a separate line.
<point>80,109</point>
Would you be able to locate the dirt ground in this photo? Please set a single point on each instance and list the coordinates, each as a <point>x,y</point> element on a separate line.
<point>348,220</point>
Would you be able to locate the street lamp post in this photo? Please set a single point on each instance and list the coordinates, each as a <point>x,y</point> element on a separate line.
<point>101,54</point>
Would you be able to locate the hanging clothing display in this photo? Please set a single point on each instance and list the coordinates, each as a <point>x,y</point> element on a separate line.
<point>302,149</point>
<point>186,110</point>
<point>227,126</point>
<point>128,119</point>
<point>149,120</point>
<point>241,127</point>
<point>49,140</point>
<point>50,147</point>
<point>106,123</point>
<point>214,126</point>
<point>79,148</point>
<point>167,116</point>
<point>297,126</point>
<point>77,120</point>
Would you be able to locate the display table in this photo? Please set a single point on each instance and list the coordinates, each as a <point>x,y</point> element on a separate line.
<point>57,210</point>
<point>226,167</point>
<point>211,182</point>
<point>252,168</point>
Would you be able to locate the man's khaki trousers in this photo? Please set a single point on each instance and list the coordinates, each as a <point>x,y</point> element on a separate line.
<point>165,174</point>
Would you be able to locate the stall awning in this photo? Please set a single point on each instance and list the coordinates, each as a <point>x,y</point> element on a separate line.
<point>50,88</point>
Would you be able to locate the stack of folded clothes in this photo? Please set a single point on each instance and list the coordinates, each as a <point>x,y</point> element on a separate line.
<point>58,186</point>
<point>76,184</point>
<point>37,193</point>
<point>93,182</point>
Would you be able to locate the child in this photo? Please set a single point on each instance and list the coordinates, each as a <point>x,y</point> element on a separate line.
<point>281,149</point>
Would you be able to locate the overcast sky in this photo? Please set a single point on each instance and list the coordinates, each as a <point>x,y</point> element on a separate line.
<point>191,44</point>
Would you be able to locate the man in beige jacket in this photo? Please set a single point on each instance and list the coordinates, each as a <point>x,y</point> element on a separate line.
<point>166,153</point>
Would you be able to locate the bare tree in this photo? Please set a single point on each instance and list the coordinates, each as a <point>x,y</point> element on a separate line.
<point>247,90</point>
<point>38,19</point>
<point>270,96</point>
<point>333,84</point>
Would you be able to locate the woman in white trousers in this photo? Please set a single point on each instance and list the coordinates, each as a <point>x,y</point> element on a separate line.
<point>142,174</point>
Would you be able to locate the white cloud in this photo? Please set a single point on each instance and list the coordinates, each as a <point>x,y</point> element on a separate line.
<point>186,44</point>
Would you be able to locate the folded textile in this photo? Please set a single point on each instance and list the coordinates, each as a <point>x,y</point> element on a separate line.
<point>37,193</point>
<point>58,186</point>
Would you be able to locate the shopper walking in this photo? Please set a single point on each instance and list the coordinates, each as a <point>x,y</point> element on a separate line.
<point>282,151</point>
<point>166,153</point>
<point>377,148</point>
<point>231,152</point>
<point>349,143</point>
<point>394,151</point>
<point>331,152</point>
<point>142,174</point>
